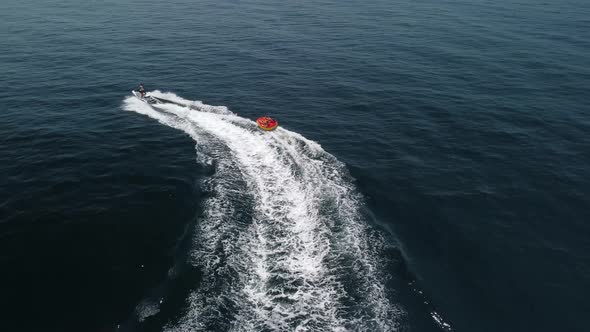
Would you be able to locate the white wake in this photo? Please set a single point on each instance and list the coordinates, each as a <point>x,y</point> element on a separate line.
<point>282,243</point>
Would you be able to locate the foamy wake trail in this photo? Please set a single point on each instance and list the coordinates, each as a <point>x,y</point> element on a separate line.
<point>282,243</point>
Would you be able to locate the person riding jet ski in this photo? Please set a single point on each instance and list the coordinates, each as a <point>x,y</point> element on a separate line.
<point>141,90</point>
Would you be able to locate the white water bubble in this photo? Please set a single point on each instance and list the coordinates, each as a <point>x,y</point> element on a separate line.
<point>305,250</point>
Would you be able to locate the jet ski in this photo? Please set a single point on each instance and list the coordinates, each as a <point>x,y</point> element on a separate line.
<point>152,100</point>
<point>147,99</point>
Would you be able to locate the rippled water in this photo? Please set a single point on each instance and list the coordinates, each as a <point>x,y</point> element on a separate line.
<point>282,243</point>
<point>430,171</point>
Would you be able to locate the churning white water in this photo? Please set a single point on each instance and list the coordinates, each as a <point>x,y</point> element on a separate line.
<point>282,244</point>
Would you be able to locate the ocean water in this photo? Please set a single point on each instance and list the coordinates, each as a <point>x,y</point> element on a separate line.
<point>431,171</point>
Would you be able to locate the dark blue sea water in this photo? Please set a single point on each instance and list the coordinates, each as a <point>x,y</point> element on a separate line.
<point>431,171</point>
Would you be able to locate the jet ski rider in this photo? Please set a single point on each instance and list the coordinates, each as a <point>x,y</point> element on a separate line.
<point>141,90</point>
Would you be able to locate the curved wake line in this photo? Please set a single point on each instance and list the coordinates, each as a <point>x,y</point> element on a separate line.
<point>282,243</point>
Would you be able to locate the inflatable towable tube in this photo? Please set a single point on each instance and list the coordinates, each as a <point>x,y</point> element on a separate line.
<point>267,123</point>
